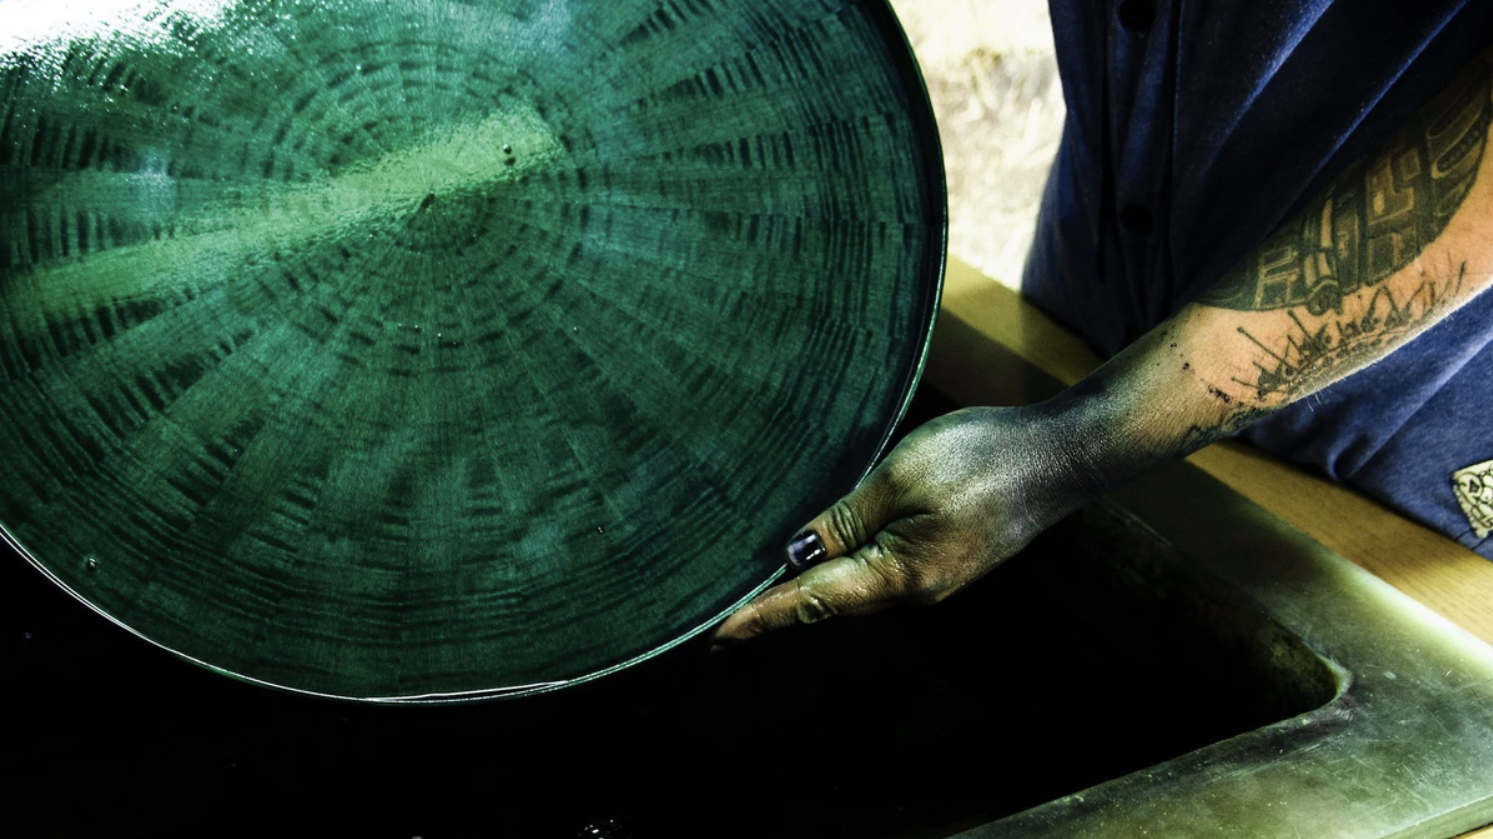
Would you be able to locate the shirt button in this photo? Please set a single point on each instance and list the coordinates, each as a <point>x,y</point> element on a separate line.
<point>1136,15</point>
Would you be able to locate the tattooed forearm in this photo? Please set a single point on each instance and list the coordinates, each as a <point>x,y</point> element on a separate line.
<point>1394,245</point>
<point>1377,216</point>
<point>1315,346</point>
<point>1349,279</point>
<point>1313,350</point>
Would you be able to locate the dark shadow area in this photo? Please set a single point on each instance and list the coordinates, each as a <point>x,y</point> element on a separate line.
<point>1094,653</point>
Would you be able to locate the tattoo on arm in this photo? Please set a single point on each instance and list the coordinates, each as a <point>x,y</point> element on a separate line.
<point>1326,266</point>
<point>1377,216</point>
<point>1296,363</point>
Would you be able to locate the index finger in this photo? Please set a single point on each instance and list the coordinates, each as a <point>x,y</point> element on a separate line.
<point>850,585</point>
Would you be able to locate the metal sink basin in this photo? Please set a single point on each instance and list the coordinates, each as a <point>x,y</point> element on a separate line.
<point>1170,662</point>
<point>1403,746</point>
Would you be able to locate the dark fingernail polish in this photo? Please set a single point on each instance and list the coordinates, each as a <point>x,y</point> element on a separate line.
<point>805,551</point>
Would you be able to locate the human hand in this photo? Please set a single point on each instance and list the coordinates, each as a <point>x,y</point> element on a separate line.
<point>955,498</point>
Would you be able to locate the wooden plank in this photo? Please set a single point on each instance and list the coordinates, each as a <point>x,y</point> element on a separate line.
<point>984,325</point>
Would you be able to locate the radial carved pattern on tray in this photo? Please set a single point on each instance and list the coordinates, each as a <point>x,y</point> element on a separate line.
<point>422,349</point>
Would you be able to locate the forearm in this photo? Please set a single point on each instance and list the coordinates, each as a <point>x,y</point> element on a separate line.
<point>1398,242</point>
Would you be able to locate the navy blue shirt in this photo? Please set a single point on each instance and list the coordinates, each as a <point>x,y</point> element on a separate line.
<point>1194,128</point>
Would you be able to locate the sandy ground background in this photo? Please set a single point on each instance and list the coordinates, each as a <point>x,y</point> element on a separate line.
<point>995,90</point>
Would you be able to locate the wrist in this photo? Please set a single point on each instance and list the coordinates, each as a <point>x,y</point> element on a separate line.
<point>1108,433</point>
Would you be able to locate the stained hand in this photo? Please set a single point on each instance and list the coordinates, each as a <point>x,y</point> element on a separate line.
<point>955,498</point>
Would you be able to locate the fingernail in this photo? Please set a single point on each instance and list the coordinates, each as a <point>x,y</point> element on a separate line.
<point>805,551</point>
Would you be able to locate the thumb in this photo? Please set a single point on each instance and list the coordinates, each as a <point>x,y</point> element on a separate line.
<point>835,552</point>
<point>847,525</point>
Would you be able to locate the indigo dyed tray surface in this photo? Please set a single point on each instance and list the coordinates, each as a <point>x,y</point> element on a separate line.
<point>428,351</point>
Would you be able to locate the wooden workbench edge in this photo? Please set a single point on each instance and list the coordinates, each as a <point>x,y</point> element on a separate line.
<point>1432,569</point>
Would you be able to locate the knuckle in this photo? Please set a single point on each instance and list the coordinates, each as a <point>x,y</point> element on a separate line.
<point>812,608</point>
<point>898,578</point>
<point>912,581</point>
<point>754,624</point>
<point>845,523</point>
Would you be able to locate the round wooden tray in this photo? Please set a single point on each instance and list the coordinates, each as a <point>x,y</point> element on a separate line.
<point>426,351</point>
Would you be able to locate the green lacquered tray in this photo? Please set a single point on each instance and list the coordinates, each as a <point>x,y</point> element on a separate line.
<point>427,350</point>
